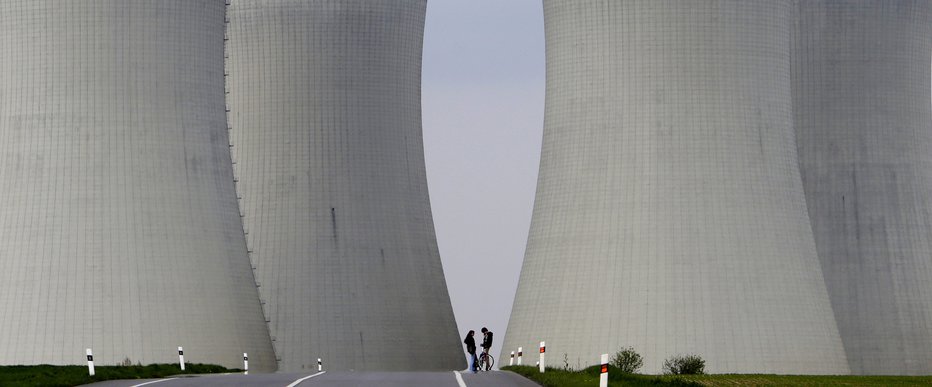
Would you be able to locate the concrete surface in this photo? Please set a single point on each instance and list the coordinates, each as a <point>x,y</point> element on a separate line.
<point>326,127</point>
<point>864,125</point>
<point>119,227</point>
<point>670,214</point>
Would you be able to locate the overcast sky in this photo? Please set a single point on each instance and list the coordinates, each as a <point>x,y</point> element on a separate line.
<point>483,106</point>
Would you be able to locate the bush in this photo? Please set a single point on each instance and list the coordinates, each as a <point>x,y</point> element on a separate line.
<point>684,365</point>
<point>627,361</point>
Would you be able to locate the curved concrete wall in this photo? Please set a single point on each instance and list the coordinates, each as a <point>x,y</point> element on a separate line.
<point>670,213</point>
<point>326,127</point>
<point>119,228</point>
<point>863,120</point>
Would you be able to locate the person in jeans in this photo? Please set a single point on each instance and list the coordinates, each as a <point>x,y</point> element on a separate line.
<point>471,349</point>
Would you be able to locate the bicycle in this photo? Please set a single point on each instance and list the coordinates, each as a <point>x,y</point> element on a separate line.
<point>486,361</point>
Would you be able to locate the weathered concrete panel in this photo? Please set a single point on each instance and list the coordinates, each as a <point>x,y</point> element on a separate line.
<point>864,126</point>
<point>326,127</point>
<point>670,214</point>
<point>119,228</point>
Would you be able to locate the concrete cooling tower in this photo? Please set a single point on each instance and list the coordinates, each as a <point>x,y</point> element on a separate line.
<point>119,228</point>
<point>670,214</point>
<point>864,126</point>
<point>324,100</point>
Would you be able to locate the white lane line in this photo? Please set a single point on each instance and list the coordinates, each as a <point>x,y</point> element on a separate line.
<point>297,382</point>
<point>459,379</point>
<point>153,382</point>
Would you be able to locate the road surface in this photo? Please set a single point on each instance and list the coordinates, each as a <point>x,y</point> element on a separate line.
<point>335,379</point>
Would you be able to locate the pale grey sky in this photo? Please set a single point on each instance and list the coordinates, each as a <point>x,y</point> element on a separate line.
<point>483,106</point>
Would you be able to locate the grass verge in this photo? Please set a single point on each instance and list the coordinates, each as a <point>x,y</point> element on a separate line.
<point>590,378</point>
<point>67,376</point>
<point>810,380</point>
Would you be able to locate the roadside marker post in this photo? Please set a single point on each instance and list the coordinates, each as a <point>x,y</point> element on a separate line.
<point>603,376</point>
<point>90,362</point>
<point>511,361</point>
<point>520,352</point>
<point>543,350</point>
<point>181,357</point>
<point>245,364</point>
<point>320,365</point>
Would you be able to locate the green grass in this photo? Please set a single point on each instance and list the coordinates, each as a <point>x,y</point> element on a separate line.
<point>66,376</point>
<point>590,378</point>
<point>808,380</point>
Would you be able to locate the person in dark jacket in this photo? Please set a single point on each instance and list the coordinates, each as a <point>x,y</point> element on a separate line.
<point>471,349</point>
<point>486,339</point>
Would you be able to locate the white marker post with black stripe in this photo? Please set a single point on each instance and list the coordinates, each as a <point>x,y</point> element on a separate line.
<point>245,364</point>
<point>181,357</point>
<point>543,350</point>
<point>603,375</point>
<point>511,361</point>
<point>520,352</point>
<point>320,365</point>
<point>90,362</point>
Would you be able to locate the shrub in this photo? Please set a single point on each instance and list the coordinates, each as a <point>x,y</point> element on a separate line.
<point>627,361</point>
<point>684,365</point>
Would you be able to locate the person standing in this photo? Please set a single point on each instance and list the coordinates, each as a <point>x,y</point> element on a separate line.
<point>471,349</point>
<point>486,340</point>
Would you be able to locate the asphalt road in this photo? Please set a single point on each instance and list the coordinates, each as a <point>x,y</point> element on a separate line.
<point>336,379</point>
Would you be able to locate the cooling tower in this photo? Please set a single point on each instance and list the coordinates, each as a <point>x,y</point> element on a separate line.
<point>670,214</point>
<point>864,126</point>
<point>119,228</point>
<point>326,127</point>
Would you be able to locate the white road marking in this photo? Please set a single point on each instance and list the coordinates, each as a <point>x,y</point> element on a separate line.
<point>459,379</point>
<point>297,382</point>
<point>153,382</point>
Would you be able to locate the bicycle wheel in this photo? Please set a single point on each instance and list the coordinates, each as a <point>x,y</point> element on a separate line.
<point>480,366</point>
